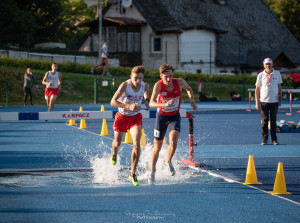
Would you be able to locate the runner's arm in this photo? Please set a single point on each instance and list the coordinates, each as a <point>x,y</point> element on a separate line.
<point>44,80</point>
<point>114,101</point>
<point>146,96</point>
<point>155,93</point>
<point>59,81</point>
<point>182,84</point>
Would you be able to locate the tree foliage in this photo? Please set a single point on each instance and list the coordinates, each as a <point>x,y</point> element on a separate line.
<point>288,12</point>
<point>43,21</point>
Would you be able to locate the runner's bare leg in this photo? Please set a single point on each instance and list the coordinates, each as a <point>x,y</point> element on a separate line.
<point>136,133</point>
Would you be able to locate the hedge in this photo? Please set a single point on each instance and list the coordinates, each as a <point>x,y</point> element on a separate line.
<point>72,67</point>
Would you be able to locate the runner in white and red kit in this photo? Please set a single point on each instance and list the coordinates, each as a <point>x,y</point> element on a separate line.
<point>128,99</point>
<point>52,80</point>
<point>166,97</point>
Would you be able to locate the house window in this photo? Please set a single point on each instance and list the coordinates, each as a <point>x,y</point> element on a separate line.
<point>133,42</point>
<point>109,33</point>
<point>156,44</point>
<point>122,42</point>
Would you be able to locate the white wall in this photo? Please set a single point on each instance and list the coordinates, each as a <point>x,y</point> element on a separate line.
<point>194,46</point>
<point>197,51</point>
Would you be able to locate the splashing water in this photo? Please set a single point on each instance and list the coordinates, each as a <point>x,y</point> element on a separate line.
<point>100,172</point>
<point>105,173</point>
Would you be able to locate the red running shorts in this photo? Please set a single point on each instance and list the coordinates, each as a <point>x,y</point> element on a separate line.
<point>123,122</point>
<point>51,91</point>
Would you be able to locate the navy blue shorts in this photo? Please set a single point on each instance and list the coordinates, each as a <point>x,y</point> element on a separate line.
<point>164,123</point>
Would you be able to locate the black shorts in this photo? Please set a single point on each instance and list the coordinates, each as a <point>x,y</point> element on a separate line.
<point>164,122</point>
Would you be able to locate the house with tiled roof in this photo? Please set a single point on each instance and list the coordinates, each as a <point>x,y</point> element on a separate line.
<point>207,36</point>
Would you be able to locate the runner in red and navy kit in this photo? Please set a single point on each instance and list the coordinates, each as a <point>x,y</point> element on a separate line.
<point>166,97</point>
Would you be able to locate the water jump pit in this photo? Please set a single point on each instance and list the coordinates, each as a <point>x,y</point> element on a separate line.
<point>101,173</point>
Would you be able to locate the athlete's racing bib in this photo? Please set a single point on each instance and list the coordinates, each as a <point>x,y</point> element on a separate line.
<point>172,107</point>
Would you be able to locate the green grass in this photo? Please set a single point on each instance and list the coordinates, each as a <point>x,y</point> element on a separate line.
<point>79,89</point>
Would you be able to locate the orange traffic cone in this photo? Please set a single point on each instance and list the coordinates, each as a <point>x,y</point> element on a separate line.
<point>251,177</point>
<point>128,138</point>
<point>104,131</point>
<point>143,138</point>
<point>80,109</point>
<point>279,185</point>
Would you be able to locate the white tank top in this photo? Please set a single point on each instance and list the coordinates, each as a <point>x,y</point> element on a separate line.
<point>105,49</point>
<point>52,78</point>
<point>131,97</point>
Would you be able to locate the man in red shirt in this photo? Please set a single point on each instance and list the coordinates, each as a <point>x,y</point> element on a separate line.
<point>166,97</point>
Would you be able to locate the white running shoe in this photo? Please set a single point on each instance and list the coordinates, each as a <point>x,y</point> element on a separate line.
<point>151,178</point>
<point>171,169</point>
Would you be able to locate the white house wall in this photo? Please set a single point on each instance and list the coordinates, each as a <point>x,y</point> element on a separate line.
<point>86,46</point>
<point>169,49</point>
<point>197,51</point>
<point>90,44</point>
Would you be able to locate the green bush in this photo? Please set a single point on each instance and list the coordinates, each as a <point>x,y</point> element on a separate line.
<point>72,67</point>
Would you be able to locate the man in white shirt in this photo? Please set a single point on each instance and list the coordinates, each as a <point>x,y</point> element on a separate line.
<point>268,92</point>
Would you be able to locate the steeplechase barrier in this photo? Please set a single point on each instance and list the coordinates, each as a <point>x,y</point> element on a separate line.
<point>191,162</point>
<point>290,91</point>
<point>66,115</point>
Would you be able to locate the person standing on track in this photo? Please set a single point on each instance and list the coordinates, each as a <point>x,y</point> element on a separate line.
<point>28,79</point>
<point>52,80</point>
<point>166,97</point>
<point>268,92</point>
<point>104,59</point>
<point>128,99</point>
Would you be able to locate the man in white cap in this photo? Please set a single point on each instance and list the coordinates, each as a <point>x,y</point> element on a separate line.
<point>268,92</point>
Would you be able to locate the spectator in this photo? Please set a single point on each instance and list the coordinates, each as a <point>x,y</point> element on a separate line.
<point>28,79</point>
<point>268,93</point>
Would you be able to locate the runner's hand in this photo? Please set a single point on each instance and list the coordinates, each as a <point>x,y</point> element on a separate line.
<point>194,106</point>
<point>135,107</point>
<point>169,103</point>
<point>147,105</point>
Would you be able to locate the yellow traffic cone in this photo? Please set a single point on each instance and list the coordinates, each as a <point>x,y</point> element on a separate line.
<point>279,185</point>
<point>143,138</point>
<point>72,121</point>
<point>104,131</point>
<point>82,124</point>
<point>128,138</point>
<point>102,107</point>
<point>251,177</point>
<point>165,141</point>
<point>80,109</point>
